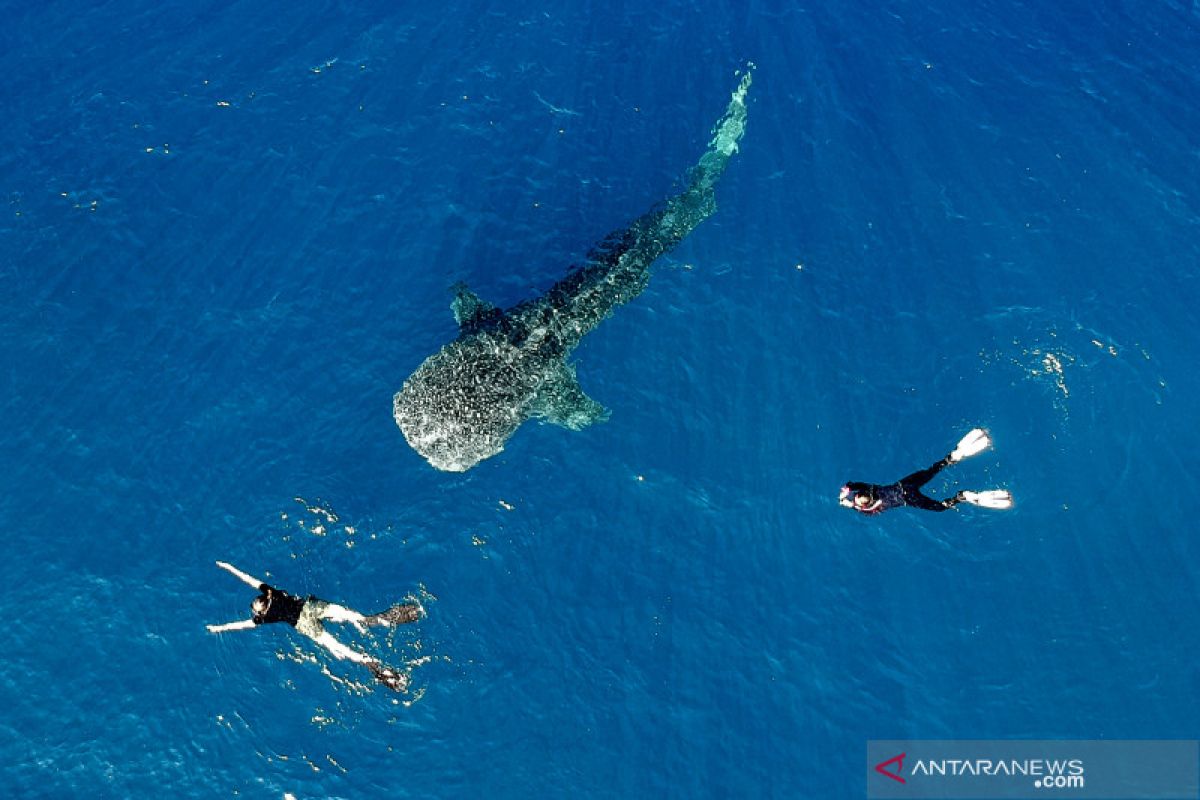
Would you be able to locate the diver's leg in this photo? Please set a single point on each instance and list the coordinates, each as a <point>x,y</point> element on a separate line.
<point>341,651</point>
<point>393,679</point>
<point>335,613</point>
<point>976,441</point>
<point>922,477</point>
<point>396,615</point>
<point>918,500</point>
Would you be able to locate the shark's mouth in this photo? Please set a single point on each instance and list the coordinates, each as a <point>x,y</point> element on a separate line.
<point>446,441</point>
<point>466,400</point>
<point>459,408</point>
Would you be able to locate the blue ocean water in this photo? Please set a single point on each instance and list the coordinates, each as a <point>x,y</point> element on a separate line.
<point>229,236</point>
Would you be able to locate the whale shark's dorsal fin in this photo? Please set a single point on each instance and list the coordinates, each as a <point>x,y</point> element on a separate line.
<point>561,400</point>
<point>468,307</point>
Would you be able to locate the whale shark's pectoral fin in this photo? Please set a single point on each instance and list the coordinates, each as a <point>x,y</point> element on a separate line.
<point>469,309</point>
<point>560,400</point>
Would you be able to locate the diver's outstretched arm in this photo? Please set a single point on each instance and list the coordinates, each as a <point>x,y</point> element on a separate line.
<point>240,625</point>
<point>242,576</point>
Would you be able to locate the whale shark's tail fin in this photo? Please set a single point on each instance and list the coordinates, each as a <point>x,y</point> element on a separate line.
<point>726,135</point>
<point>618,269</point>
<point>660,230</point>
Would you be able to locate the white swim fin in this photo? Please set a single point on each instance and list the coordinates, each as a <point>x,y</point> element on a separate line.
<point>973,443</point>
<point>991,498</point>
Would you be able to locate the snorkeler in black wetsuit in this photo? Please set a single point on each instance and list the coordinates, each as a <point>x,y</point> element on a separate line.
<point>870,498</point>
<point>306,616</point>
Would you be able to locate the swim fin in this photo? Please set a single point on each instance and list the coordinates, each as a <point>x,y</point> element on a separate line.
<point>396,615</point>
<point>973,443</point>
<point>991,498</point>
<point>389,677</point>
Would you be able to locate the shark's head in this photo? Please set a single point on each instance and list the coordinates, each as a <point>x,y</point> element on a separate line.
<point>463,403</point>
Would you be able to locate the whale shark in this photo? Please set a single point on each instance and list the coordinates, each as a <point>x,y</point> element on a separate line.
<point>507,366</point>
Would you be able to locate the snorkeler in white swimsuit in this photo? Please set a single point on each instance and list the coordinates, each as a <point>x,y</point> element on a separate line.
<point>307,614</point>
